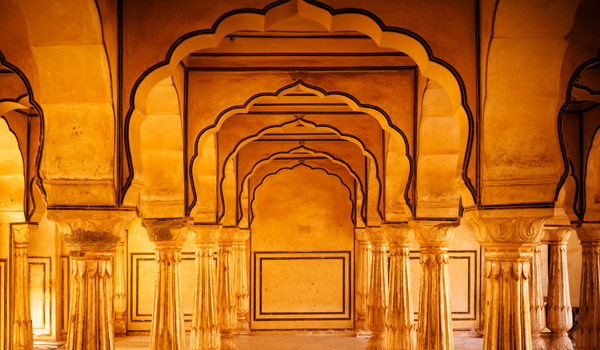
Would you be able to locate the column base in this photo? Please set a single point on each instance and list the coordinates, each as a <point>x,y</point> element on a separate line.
<point>538,342</point>
<point>561,342</point>
<point>376,342</point>
<point>243,328</point>
<point>120,327</point>
<point>361,329</point>
<point>228,342</point>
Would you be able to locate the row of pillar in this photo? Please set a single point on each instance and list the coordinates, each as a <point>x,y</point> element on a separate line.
<point>384,308</point>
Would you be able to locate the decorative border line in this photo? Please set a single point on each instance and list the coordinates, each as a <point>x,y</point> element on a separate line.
<point>347,270</point>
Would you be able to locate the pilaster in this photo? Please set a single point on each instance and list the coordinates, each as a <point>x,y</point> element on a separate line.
<point>401,330</point>
<point>378,290</point>
<point>168,236</point>
<point>588,332</point>
<point>226,296</point>
<point>241,282</point>
<point>435,315</point>
<point>508,242</point>
<point>362,278</point>
<point>22,331</point>
<point>91,235</point>
<point>120,292</point>
<point>205,320</point>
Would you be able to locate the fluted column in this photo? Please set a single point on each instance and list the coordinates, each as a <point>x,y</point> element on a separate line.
<point>205,320</point>
<point>362,278</point>
<point>435,315</point>
<point>241,282</point>
<point>560,317</point>
<point>120,280</point>
<point>536,300</point>
<point>22,331</point>
<point>378,290</point>
<point>400,325</point>
<point>588,331</point>
<point>227,301</point>
<point>507,271</point>
<point>168,236</point>
<point>91,235</point>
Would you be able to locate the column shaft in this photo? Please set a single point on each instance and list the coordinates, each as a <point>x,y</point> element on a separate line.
<point>560,317</point>
<point>362,277</point>
<point>377,299</point>
<point>226,297</point>
<point>120,294</point>
<point>205,324</point>
<point>588,332</point>
<point>536,300</point>
<point>22,331</point>
<point>400,325</point>
<point>241,282</point>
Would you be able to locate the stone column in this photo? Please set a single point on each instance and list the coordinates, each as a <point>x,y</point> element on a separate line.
<point>378,290</point>
<point>22,331</point>
<point>560,317</point>
<point>205,322</point>
<point>226,298</point>
<point>362,278</point>
<point>400,325</point>
<point>435,315</point>
<point>507,271</point>
<point>91,235</point>
<point>588,331</point>
<point>536,300</point>
<point>120,280</point>
<point>241,282</point>
<point>168,236</point>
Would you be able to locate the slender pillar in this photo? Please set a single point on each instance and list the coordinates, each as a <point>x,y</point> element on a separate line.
<point>536,300</point>
<point>435,315</point>
<point>227,301</point>
<point>507,270</point>
<point>120,280</point>
<point>560,317</point>
<point>22,331</point>
<point>362,277</point>
<point>401,333</point>
<point>168,236</point>
<point>588,332</point>
<point>378,290</point>
<point>205,320</point>
<point>91,235</point>
<point>241,282</point>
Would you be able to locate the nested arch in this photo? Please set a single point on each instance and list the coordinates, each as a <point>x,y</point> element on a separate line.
<point>334,20</point>
<point>305,123</point>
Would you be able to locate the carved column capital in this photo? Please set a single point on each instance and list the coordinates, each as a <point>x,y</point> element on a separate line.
<point>166,232</point>
<point>494,231</point>
<point>228,234</point>
<point>93,230</point>
<point>399,233</point>
<point>204,234</point>
<point>434,232</point>
<point>589,233</point>
<point>22,232</point>
<point>361,234</point>
<point>376,234</point>
<point>556,234</point>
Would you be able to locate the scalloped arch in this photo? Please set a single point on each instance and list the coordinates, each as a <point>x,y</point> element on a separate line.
<point>332,19</point>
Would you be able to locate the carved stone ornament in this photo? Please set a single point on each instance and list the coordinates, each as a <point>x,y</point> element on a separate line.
<point>168,230</point>
<point>22,331</point>
<point>91,229</point>
<point>588,331</point>
<point>433,232</point>
<point>491,231</point>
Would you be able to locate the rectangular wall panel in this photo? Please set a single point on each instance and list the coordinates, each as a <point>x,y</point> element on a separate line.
<point>40,272</point>
<point>302,290</point>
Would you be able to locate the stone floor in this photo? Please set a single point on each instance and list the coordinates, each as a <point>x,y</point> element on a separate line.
<point>295,342</point>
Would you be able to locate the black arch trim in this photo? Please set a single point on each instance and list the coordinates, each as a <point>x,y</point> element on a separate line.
<point>37,177</point>
<point>362,189</point>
